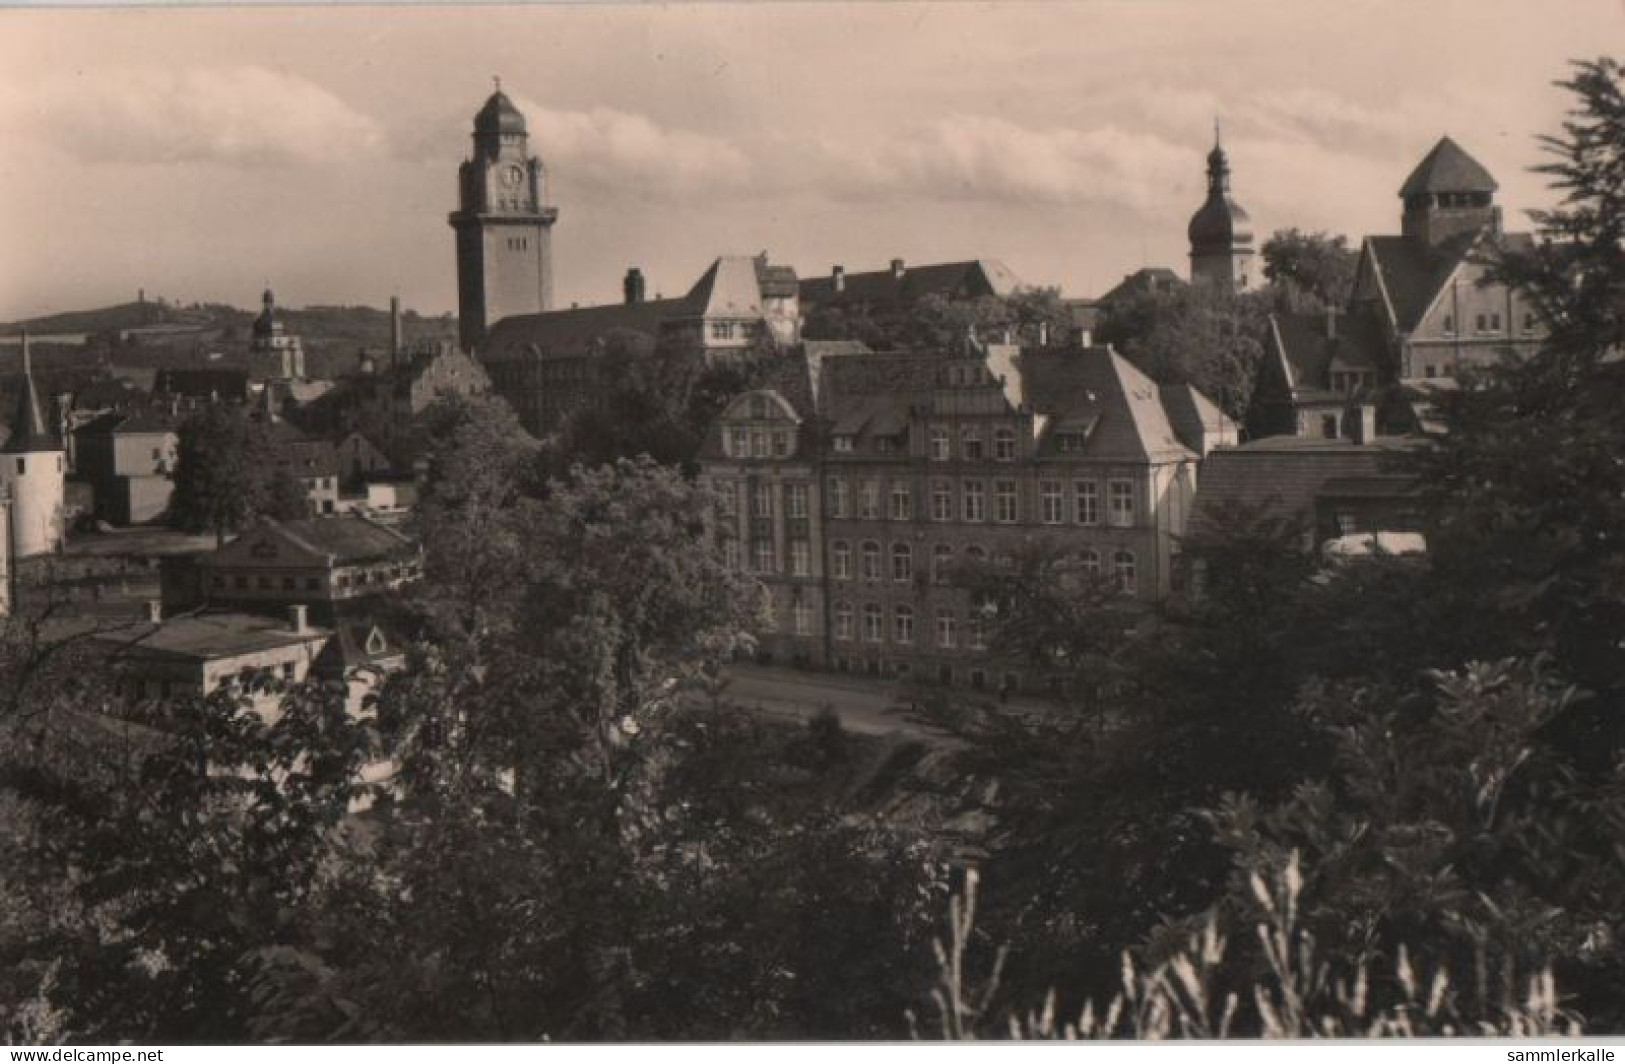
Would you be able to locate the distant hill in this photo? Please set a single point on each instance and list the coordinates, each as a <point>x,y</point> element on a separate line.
<point>211,334</point>
<point>107,319</point>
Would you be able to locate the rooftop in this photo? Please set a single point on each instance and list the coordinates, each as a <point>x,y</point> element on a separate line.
<point>209,636</point>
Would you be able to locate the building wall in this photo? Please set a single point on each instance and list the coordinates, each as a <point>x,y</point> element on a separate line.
<point>1469,326</point>
<point>37,487</point>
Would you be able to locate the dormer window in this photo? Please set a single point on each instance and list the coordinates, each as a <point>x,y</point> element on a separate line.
<point>941,447</point>
<point>722,330</point>
<point>1449,325</point>
<point>843,444</point>
<point>739,442</point>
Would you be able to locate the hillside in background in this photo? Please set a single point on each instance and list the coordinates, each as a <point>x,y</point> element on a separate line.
<point>159,335</point>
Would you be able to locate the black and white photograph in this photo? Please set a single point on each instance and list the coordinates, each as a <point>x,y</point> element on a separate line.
<point>621,524</point>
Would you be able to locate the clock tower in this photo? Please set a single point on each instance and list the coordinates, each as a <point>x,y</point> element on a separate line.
<point>503,224</point>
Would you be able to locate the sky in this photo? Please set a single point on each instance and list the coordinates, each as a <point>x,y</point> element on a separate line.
<point>201,153</point>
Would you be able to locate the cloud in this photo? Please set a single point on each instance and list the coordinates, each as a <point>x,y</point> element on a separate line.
<point>236,116</point>
<point>615,149</point>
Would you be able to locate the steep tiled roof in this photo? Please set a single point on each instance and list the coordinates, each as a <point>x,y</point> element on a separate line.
<point>892,289</point>
<point>571,333</point>
<point>1447,168</point>
<point>1145,280</point>
<point>31,430</point>
<point>1098,383</point>
<point>1307,353</point>
<point>732,286</point>
<point>1413,274</point>
<point>1197,420</point>
<point>145,419</point>
<point>1282,475</point>
<point>348,539</point>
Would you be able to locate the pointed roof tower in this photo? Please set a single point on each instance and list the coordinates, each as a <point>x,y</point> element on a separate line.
<point>31,431</point>
<point>1447,168</point>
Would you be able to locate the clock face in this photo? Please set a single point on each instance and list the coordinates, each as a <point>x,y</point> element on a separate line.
<point>512,176</point>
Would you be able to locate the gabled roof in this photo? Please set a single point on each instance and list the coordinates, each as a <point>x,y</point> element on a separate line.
<point>1197,420</point>
<point>1149,279</point>
<point>1282,476</point>
<point>894,289</point>
<point>141,420</point>
<point>207,636</point>
<point>1306,352</point>
<point>31,430</point>
<point>733,286</point>
<point>1130,421</point>
<point>1413,274</point>
<point>1447,168</point>
<point>344,540</point>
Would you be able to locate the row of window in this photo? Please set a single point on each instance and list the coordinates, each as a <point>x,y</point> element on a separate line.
<point>747,442</point>
<point>1488,323</point>
<point>763,497</point>
<point>1124,566</point>
<point>1055,507</point>
<point>362,578</point>
<point>946,633</point>
<point>764,557</point>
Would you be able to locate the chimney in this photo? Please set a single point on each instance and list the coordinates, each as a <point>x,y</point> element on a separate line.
<point>1331,323</point>
<point>299,613</point>
<point>897,268</point>
<point>632,287</point>
<point>155,611</point>
<point>394,331</point>
<point>1043,334</point>
<point>837,278</point>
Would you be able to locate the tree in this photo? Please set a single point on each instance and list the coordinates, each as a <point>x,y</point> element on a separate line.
<point>1213,340</point>
<point>219,473</point>
<point>1310,271</point>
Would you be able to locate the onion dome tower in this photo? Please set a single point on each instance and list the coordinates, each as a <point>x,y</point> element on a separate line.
<point>32,472</point>
<point>504,224</point>
<point>1220,232</point>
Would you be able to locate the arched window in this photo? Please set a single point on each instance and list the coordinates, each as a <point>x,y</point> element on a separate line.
<point>1124,566</point>
<point>843,620</point>
<point>871,561</point>
<point>941,447</point>
<point>942,559</point>
<point>970,443</point>
<point>903,625</point>
<point>872,621</point>
<point>1004,445</point>
<point>902,562</point>
<point>840,560</point>
<point>975,554</point>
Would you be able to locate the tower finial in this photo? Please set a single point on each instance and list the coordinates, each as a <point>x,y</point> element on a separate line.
<point>496,82</point>
<point>1216,131</point>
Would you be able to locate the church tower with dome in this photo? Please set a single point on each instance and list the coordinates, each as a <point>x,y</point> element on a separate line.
<point>1220,232</point>
<point>503,223</point>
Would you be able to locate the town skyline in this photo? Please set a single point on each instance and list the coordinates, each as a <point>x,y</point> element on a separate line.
<point>239,149</point>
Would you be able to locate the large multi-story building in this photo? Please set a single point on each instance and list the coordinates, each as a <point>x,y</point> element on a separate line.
<point>545,365</point>
<point>504,225</point>
<point>1424,307</point>
<point>856,496</point>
